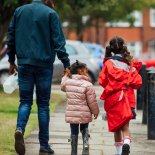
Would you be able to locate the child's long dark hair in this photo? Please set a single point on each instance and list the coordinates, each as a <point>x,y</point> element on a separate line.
<point>76,66</point>
<point>117,46</point>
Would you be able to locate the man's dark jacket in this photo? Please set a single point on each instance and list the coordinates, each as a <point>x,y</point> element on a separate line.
<point>35,36</point>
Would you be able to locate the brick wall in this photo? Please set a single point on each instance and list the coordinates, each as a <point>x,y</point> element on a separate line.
<point>129,34</point>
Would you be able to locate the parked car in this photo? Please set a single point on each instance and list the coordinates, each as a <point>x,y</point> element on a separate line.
<point>76,51</point>
<point>97,52</point>
<point>4,68</point>
<point>3,51</point>
<point>148,59</point>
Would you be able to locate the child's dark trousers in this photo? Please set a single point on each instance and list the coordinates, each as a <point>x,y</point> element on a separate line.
<point>75,128</point>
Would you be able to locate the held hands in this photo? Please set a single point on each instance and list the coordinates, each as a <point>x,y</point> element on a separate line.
<point>67,72</point>
<point>13,68</point>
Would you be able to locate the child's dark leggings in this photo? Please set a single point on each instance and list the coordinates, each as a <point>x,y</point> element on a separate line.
<point>75,128</point>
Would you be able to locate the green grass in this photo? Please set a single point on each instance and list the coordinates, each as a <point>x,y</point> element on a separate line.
<point>8,114</point>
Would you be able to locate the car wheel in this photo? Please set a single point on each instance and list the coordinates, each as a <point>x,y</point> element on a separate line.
<point>3,76</point>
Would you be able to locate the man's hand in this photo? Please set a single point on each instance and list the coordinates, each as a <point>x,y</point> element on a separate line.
<point>95,116</point>
<point>13,68</point>
<point>67,72</point>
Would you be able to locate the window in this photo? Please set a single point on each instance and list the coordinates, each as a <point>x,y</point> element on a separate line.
<point>151,46</point>
<point>71,50</point>
<point>135,48</point>
<point>152,17</point>
<point>138,18</point>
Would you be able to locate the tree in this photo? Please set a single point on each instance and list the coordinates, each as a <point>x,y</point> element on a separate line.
<point>107,10</point>
<point>115,10</point>
<point>73,11</point>
<point>7,8</point>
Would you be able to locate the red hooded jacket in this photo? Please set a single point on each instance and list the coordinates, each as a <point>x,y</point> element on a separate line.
<point>118,80</point>
<point>114,78</point>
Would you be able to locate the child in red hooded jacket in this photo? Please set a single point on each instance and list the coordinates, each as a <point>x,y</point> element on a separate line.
<point>119,76</point>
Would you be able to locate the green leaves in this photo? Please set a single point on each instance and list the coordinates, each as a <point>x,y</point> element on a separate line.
<point>7,8</point>
<point>73,10</point>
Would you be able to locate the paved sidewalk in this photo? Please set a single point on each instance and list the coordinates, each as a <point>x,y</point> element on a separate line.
<point>101,141</point>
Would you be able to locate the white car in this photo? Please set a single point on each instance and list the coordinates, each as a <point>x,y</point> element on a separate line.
<point>4,69</point>
<point>77,51</point>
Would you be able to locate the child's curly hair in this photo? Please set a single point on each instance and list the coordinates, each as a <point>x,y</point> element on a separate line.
<point>117,46</point>
<point>76,66</point>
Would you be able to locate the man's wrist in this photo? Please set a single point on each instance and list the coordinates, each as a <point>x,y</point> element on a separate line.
<point>12,63</point>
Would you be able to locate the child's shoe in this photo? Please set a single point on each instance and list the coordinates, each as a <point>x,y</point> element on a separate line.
<point>125,149</point>
<point>85,136</point>
<point>74,143</point>
<point>46,151</point>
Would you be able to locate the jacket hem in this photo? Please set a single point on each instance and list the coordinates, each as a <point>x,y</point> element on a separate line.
<point>34,62</point>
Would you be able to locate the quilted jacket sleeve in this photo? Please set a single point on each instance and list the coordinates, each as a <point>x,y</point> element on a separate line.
<point>91,100</point>
<point>63,83</point>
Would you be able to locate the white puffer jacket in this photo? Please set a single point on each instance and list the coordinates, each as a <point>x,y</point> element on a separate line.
<point>81,99</point>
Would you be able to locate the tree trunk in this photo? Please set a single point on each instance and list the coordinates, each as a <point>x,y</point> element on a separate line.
<point>104,29</point>
<point>3,31</point>
<point>79,28</point>
<point>97,30</point>
<point>100,31</point>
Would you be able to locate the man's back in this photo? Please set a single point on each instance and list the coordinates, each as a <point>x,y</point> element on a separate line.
<point>33,31</point>
<point>38,35</point>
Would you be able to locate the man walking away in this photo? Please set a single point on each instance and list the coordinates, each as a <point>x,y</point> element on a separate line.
<point>35,37</point>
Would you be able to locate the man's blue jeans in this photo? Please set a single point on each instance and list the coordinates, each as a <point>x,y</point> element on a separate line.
<point>28,76</point>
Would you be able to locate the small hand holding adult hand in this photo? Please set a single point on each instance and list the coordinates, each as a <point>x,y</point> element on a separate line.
<point>67,72</point>
<point>13,68</point>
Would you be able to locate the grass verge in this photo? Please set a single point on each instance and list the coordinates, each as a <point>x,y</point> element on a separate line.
<point>8,114</point>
